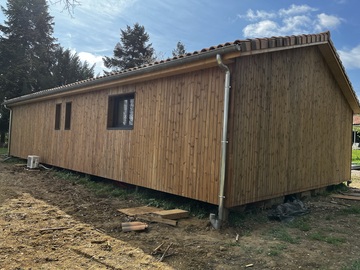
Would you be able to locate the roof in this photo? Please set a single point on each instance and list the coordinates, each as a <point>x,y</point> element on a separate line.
<point>206,58</point>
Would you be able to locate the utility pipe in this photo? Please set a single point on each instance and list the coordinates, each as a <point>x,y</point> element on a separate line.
<point>9,132</point>
<point>218,222</point>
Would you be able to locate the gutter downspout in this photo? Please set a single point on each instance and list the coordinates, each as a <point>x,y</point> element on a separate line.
<point>218,222</point>
<point>9,132</point>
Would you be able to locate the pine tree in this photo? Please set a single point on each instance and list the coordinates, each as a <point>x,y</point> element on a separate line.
<point>68,68</point>
<point>28,36</point>
<point>132,51</point>
<point>30,60</point>
<point>180,49</point>
<point>26,51</point>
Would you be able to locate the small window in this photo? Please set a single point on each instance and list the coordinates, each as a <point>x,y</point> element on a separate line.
<point>67,115</point>
<point>57,116</point>
<point>121,111</point>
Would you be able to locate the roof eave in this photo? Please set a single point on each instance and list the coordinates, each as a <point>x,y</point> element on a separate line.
<point>333,60</point>
<point>186,64</point>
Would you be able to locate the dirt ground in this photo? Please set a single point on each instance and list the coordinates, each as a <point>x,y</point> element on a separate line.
<point>49,223</point>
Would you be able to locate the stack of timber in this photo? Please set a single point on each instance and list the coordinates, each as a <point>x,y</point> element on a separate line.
<point>152,214</point>
<point>352,194</point>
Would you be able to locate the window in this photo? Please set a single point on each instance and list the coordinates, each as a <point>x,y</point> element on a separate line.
<point>57,116</point>
<point>121,111</point>
<point>67,115</point>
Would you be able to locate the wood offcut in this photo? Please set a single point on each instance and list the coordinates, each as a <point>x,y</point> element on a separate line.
<point>133,226</point>
<point>346,197</point>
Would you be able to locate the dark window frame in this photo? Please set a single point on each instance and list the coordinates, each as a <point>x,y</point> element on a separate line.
<point>118,105</point>
<point>58,116</point>
<point>67,125</point>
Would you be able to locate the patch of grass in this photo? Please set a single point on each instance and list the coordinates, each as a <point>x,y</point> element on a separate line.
<point>15,160</point>
<point>276,250</point>
<point>355,156</point>
<point>300,223</point>
<point>281,233</point>
<point>239,219</point>
<point>354,266</point>
<point>105,188</point>
<point>3,151</point>
<point>319,236</point>
<point>352,210</point>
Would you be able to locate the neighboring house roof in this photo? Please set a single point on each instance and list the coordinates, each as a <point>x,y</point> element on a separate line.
<point>206,58</point>
<point>356,120</point>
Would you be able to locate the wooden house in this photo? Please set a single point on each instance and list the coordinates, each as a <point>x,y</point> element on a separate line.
<point>160,125</point>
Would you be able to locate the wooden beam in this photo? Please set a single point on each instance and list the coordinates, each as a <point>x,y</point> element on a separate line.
<point>138,210</point>
<point>158,220</point>
<point>346,197</point>
<point>173,214</point>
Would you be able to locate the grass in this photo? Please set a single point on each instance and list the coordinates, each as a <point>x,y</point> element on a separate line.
<point>276,250</point>
<point>107,188</point>
<point>3,151</point>
<point>354,266</point>
<point>301,223</point>
<point>333,240</point>
<point>280,233</point>
<point>352,210</point>
<point>238,220</point>
<point>355,156</point>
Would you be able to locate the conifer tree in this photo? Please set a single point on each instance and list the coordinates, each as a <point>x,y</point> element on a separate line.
<point>133,49</point>
<point>180,49</point>
<point>30,60</point>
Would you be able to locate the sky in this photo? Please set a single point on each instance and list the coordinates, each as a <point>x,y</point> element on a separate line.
<point>93,29</point>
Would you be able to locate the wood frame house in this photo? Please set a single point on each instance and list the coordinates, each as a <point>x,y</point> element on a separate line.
<point>160,125</point>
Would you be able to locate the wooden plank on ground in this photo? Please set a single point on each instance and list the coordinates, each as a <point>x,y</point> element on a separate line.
<point>158,220</point>
<point>346,197</point>
<point>133,226</point>
<point>173,214</point>
<point>138,210</point>
<point>355,194</point>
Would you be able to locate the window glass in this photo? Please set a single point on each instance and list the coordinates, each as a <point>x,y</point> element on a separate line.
<point>121,111</point>
<point>68,115</point>
<point>57,116</point>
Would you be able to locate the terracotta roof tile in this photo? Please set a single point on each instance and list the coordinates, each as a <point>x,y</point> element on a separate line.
<point>245,46</point>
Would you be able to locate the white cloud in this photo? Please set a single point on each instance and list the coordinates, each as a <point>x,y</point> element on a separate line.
<point>294,9</point>
<point>297,19</point>
<point>93,59</point>
<point>258,14</point>
<point>261,29</point>
<point>350,58</point>
<point>328,21</point>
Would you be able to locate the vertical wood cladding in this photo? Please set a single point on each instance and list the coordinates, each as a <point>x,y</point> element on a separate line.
<point>173,146</point>
<point>290,127</point>
<point>289,130</point>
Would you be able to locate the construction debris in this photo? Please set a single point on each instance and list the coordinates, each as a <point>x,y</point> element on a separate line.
<point>162,216</point>
<point>158,220</point>
<point>156,250</point>
<point>138,210</point>
<point>166,250</point>
<point>133,226</point>
<point>173,214</point>
<point>346,197</point>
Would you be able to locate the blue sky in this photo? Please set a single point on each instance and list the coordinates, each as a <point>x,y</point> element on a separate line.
<point>94,28</point>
